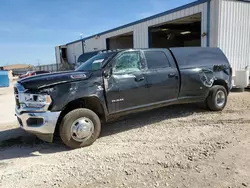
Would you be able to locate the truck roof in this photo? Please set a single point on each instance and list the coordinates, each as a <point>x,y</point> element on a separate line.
<point>172,48</point>
<point>187,57</point>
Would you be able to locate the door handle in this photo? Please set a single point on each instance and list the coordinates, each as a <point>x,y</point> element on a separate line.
<point>171,75</point>
<point>139,78</point>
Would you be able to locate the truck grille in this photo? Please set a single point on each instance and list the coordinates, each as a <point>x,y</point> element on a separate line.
<point>16,97</point>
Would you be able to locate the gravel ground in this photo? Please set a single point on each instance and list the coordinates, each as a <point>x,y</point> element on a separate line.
<point>178,146</point>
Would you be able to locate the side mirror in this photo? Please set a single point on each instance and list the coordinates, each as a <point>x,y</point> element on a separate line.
<point>107,73</point>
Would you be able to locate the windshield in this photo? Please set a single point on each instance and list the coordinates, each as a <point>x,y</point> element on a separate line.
<point>96,62</point>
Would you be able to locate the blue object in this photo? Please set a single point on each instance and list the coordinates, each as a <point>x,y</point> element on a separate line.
<point>4,79</point>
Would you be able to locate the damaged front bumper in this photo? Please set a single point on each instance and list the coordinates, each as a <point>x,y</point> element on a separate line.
<point>42,124</point>
<point>33,115</point>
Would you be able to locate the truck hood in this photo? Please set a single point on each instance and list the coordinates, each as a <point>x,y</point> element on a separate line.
<point>46,80</point>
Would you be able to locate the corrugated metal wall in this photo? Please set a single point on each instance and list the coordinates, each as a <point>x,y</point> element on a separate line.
<point>214,21</point>
<point>140,30</point>
<point>99,43</point>
<point>57,53</point>
<point>74,50</point>
<point>234,32</point>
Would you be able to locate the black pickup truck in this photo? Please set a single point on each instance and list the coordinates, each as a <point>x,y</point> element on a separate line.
<point>115,83</point>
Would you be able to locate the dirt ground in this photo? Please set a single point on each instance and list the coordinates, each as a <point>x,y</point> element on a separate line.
<point>7,105</point>
<point>177,146</point>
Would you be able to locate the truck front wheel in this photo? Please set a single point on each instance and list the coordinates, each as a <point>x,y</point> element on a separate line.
<point>80,128</point>
<point>217,99</point>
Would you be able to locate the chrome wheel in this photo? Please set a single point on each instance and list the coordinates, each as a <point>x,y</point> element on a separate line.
<point>82,129</point>
<point>220,98</point>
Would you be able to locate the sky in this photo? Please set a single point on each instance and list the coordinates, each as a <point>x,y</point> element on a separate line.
<point>30,29</point>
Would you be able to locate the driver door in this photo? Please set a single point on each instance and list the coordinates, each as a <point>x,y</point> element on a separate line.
<point>126,85</point>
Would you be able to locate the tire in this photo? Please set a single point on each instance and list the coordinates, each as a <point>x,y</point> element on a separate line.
<point>67,123</point>
<point>211,101</point>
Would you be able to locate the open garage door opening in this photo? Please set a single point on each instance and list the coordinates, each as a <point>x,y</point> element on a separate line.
<point>124,41</point>
<point>178,33</point>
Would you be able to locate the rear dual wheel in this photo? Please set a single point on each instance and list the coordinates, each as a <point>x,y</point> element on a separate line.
<point>80,128</point>
<point>217,99</point>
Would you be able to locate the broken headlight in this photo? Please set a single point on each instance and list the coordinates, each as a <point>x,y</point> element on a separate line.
<point>34,100</point>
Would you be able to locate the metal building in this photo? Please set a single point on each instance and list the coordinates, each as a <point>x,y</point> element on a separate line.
<point>215,23</point>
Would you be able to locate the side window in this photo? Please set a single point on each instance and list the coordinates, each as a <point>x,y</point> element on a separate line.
<point>156,59</point>
<point>127,62</point>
